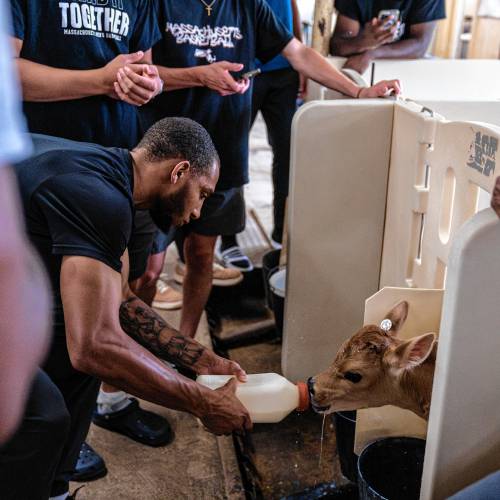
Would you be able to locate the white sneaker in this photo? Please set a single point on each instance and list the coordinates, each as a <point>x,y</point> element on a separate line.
<point>234,258</point>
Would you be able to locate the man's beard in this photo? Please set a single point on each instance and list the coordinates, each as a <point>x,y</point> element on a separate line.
<point>169,211</point>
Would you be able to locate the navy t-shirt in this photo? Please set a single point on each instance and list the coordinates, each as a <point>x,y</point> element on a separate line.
<point>77,200</point>
<point>236,31</point>
<point>412,11</point>
<point>283,11</point>
<point>82,35</point>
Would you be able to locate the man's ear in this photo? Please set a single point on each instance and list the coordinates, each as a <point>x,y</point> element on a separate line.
<point>179,170</point>
<point>413,352</point>
<point>397,315</point>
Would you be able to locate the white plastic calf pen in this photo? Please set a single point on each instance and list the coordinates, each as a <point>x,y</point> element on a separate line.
<point>383,194</point>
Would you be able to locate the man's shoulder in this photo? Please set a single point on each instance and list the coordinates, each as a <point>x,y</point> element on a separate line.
<point>86,202</point>
<point>79,174</point>
<point>90,188</point>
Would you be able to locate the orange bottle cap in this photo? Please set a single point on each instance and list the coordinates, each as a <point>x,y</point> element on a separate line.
<point>303,396</point>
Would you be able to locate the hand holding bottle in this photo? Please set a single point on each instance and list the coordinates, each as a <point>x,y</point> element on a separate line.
<point>225,413</point>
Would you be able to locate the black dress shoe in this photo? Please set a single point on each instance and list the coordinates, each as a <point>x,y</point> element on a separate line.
<point>90,465</point>
<point>140,425</point>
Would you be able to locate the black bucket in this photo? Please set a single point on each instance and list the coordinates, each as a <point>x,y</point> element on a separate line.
<point>270,264</point>
<point>345,431</point>
<point>391,469</point>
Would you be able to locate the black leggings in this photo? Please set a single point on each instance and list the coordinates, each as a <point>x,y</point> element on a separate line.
<point>37,462</point>
<point>275,95</point>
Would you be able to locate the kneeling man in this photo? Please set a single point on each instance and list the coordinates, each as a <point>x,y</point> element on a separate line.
<point>79,201</point>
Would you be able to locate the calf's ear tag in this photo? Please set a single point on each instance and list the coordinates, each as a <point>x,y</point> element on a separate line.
<point>386,325</point>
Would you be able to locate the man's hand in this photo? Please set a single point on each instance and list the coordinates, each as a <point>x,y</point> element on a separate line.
<point>495,198</point>
<point>109,72</point>
<point>375,33</point>
<point>137,84</point>
<point>211,364</point>
<point>381,89</point>
<point>216,76</point>
<point>359,62</point>
<point>225,412</point>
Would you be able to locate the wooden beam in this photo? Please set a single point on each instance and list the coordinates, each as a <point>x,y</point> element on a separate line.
<point>322,28</point>
<point>448,32</point>
<point>485,42</point>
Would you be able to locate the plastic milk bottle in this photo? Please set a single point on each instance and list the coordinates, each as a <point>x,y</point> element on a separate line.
<point>268,397</point>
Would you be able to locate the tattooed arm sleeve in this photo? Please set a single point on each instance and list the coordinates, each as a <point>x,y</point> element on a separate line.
<point>149,329</point>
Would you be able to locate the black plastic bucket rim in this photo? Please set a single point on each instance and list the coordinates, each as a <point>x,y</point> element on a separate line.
<point>349,415</point>
<point>345,431</point>
<point>367,491</point>
<point>270,265</point>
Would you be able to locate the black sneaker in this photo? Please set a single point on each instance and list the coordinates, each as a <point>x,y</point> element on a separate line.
<point>140,425</point>
<point>90,466</point>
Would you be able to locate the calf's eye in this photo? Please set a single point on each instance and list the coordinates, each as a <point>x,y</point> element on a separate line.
<point>353,377</point>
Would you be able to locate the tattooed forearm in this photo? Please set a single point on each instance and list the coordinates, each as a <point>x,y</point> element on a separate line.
<point>150,330</point>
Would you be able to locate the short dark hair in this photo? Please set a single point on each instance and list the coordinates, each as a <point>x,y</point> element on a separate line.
<point>183,139</point>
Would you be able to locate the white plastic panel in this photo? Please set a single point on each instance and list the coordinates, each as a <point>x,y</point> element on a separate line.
<point>463,441</point>
<point>339,168</point>
<point>437,169</point>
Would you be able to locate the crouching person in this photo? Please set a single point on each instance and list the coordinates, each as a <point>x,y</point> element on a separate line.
<point>79,202</point>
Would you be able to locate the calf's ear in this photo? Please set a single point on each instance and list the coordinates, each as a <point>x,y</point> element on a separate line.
<point>397,315</point>
<point>413,352</point>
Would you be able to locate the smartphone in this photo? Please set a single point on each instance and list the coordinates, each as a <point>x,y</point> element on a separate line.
<point>383,15</point>
<point>250,74</point>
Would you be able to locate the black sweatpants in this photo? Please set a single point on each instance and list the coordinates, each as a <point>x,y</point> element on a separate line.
<point>37,462</point>
<point>275,95</point>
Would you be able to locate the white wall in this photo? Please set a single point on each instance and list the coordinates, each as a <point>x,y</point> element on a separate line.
<point>306,8</point>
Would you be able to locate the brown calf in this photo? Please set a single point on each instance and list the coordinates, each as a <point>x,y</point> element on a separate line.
<point>375,368</point>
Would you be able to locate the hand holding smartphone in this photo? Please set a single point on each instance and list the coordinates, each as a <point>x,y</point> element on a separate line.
<point>389,17</point>
<point>250,74</point>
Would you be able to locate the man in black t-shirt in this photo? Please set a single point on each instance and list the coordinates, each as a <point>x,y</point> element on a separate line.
<point>361,36</point>
<point>202,43</point>
<point>79,201</point>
